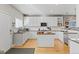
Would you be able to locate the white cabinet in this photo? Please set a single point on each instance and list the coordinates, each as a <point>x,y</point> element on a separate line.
<point>26,36</point>
<point>45,40</point>
<point>18,39</point>
<point>73,34</point>
<point>21,38</point>
<point>74,47</point>
<point>33,35</point>
<point>36,21</point>
<point>60,35</point>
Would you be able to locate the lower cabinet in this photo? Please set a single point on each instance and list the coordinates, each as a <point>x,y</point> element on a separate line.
<point>33,35</point>
<point>45,40</point>
<point>21,38</point>
<point>18,39</point>
<point>74,47</point>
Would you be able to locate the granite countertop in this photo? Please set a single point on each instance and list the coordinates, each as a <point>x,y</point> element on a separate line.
<point>20,32</point>
<point>76,28</point>
<point>76,41</point>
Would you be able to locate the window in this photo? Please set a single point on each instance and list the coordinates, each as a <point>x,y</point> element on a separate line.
<point>72,23</point>
<point>18,23</point>
<point>26,22</point>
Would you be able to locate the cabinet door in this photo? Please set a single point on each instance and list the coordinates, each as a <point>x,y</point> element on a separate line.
<point>18,39</point>
<point>74,47</point>
<point>5,35</point>
<point>60,35</point>
<point>45,40</point>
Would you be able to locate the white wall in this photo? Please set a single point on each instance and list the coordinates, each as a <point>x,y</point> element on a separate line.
<point>8,9</point>
<point>7,13</point>
<point>77,15</point>
<point>36,21</point>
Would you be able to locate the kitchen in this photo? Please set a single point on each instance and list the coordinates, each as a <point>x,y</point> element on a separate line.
<point>44,23</point>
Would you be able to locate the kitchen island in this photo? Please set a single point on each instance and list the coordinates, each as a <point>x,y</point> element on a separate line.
<point>46,39</point>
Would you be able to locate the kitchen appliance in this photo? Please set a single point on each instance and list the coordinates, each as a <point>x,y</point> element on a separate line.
<point>43,24</point>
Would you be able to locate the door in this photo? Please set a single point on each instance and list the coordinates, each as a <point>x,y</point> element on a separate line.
<point>5,28</point>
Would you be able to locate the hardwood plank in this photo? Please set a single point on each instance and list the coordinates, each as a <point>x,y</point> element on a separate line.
<point>59,47</point>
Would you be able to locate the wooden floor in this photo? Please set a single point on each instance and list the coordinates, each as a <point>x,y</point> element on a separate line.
<point>59,47</point>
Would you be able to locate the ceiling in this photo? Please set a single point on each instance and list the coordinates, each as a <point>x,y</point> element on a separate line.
<point>46,9</point>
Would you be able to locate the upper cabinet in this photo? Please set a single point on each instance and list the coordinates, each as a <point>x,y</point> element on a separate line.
<point>36,21</point>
